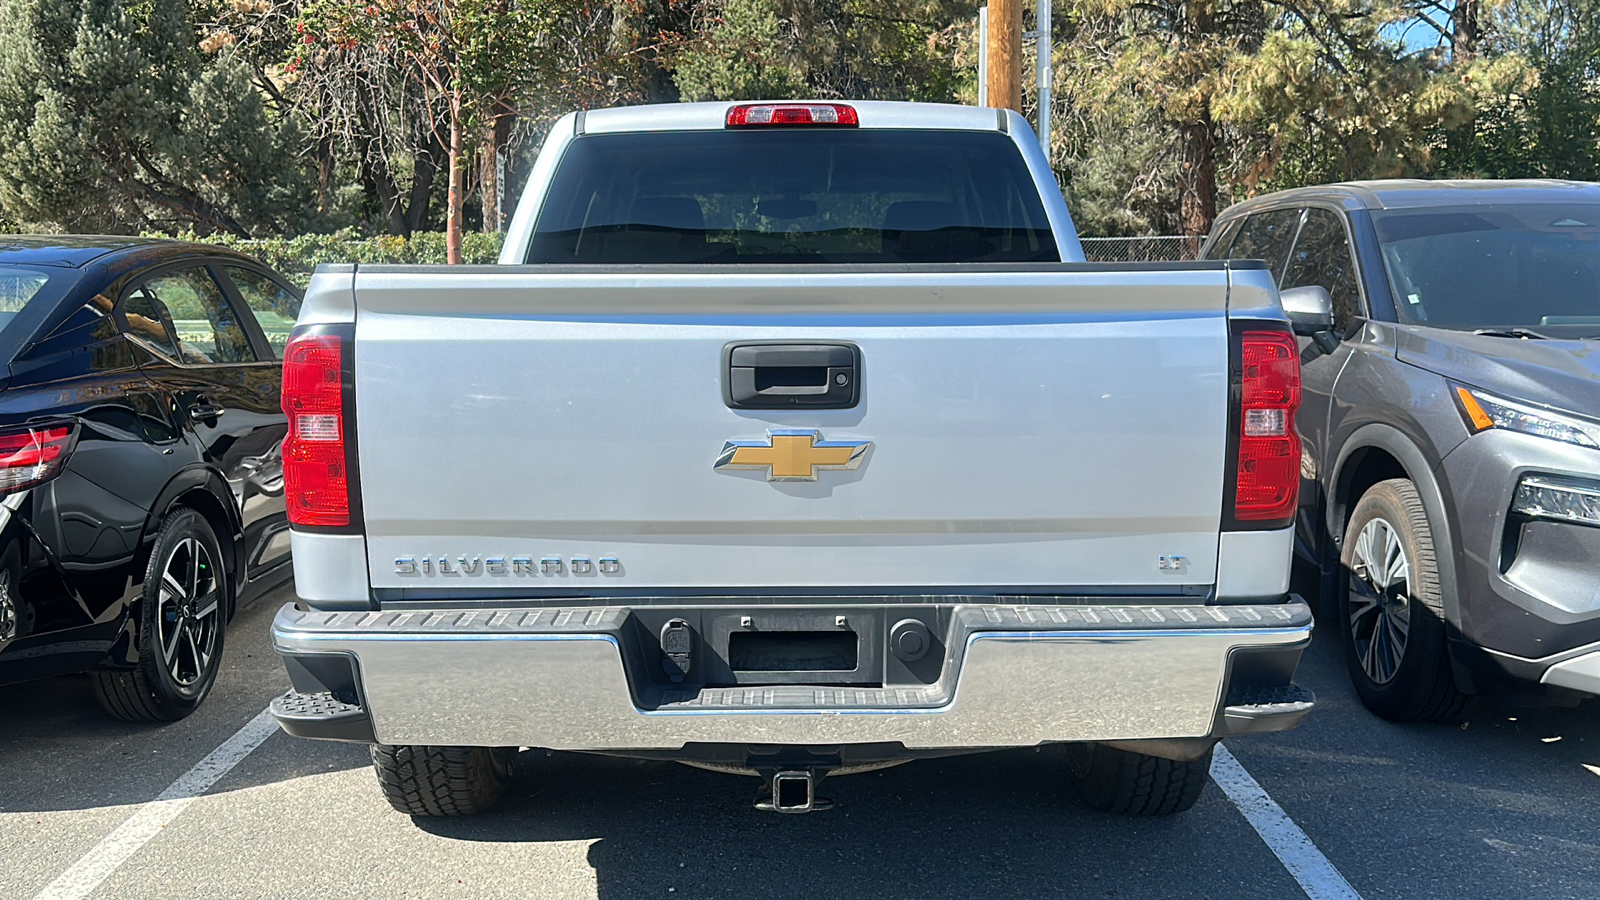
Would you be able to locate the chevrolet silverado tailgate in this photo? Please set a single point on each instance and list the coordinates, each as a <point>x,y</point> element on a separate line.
<point>542,431</point>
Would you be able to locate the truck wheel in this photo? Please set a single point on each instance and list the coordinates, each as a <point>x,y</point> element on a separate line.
<point>1392,610</point>
<point>442,781</point>
<point>1122,781</point>
<point>182,612</point>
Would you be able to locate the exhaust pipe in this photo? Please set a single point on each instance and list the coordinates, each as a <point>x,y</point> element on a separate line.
<point>793,791</point>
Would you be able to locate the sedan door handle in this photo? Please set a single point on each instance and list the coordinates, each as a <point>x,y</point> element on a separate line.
<point>202,411</point>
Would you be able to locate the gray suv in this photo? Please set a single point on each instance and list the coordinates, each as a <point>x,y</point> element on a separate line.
<point>1450,472</point>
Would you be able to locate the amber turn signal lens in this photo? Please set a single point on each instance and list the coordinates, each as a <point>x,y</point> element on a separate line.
<point>1475,414</point>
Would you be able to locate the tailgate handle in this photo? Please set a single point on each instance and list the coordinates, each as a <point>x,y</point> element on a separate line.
<point>781,375</point>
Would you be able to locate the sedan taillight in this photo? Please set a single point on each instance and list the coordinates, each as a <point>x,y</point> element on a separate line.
<point>35,454</point>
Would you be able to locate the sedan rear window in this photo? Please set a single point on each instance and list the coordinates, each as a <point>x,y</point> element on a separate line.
<point>793,196</point>
<point>17,287</point>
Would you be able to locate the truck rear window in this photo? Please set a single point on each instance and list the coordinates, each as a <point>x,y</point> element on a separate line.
<point>792,196</point>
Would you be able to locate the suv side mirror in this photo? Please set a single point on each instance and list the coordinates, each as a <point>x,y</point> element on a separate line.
<point>1310,309</point>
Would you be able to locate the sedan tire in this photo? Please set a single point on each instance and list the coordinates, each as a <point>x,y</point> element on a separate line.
<point>182,612</point>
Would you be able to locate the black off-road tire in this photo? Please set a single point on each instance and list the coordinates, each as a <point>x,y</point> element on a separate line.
<point>1422,688</point>
<point>1121,781</point>
<point>149,692</point>
<point>442,781</point>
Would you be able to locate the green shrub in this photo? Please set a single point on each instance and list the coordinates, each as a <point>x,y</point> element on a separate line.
<point>297,257</point>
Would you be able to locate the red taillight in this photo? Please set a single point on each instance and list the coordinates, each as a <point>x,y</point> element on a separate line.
<point>1267,476</point>
<point>756,115</point>
<point>316,480</point>
<point>31,456</point>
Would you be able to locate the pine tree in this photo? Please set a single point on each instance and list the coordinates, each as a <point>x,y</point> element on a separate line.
<point>111,121</point>
<point>1258,94</point>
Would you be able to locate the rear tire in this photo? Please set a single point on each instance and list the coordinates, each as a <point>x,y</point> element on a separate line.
<point>14,615</point>
<point>1135,784</point>
<point>1391,609</point>
<point>442,781</point>
<point>182,613</point>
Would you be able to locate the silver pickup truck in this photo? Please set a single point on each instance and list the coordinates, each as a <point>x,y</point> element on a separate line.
<point>792,439</point>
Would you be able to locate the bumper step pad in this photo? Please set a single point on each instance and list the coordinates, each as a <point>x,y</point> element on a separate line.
<point>1252,710</point>
<point>322,716</point>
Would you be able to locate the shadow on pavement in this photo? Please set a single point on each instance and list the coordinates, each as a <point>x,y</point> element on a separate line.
<point>1505,797</point>
<point>1002,824</point>
<point>60,751</point>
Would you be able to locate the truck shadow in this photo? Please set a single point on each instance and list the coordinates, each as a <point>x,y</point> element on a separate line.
<point>1010,823</point>
<point>962,827</point>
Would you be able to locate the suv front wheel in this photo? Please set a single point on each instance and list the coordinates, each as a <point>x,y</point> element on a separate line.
<point>1392,610</point>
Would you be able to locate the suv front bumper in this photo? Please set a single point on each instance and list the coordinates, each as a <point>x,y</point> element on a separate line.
<point>1527,602</point>
<point>1014,675</point>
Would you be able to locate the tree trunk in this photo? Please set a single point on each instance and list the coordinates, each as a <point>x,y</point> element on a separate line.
<point>496,137</point>
<point>327,171</point>
<point>376,174</point>
<point>1461,142</point>
<point>452,216</point>
<point>1198,172</point>
<point>377,179</point>
<point>427,168</point>
<point>161,190</point>
<point>1199,176</point>
<point>488,185</point>
<point>1465,29</point>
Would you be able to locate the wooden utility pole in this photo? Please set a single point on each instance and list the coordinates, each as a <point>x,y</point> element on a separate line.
<point>1005,54</point>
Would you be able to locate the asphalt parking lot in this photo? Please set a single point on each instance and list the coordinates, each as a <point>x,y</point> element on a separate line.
<point>1504,805</point>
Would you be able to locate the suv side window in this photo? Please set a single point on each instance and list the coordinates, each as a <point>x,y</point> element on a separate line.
<point>1267,236</point>
<point>207,329</point>
<point>1219,247</point>
<point>1322,256</point>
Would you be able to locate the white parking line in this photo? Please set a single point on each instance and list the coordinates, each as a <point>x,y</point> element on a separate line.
<point>103,858</point>
<point>1306,864</point>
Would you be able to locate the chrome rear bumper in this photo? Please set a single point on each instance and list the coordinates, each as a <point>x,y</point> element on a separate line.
<point>1014,676</point>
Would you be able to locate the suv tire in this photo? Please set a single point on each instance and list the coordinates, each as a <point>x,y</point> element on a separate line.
<point>442,781</point>
<point>1135,784</point>
<point>1391,610</point>
<point>183,612</point>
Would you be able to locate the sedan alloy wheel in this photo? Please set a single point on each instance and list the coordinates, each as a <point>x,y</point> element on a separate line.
<point>186,621</point>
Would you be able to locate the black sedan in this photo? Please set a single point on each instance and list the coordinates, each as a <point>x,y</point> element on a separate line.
<point>141,487</point>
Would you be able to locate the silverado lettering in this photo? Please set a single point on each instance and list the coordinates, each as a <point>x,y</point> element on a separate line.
<point>506,565</point>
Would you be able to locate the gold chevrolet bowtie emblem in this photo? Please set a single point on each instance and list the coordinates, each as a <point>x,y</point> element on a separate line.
<point>792,455</point>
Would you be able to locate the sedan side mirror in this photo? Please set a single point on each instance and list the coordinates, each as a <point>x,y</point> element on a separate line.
<point>1310,309</point>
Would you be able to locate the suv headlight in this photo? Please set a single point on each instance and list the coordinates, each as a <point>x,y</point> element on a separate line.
<point>1557,497</point>
<point>1485,411</point>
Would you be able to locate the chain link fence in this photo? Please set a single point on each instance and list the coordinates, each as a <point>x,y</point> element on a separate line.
<point>1157,248</point>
